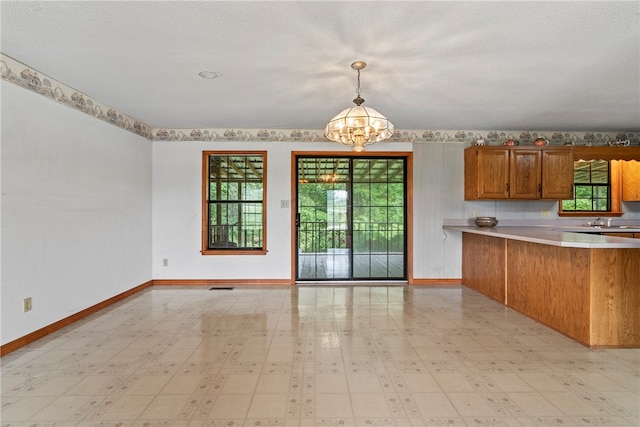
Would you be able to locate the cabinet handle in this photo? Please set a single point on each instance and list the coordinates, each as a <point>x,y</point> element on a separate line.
<point>507,187</point>
<point>539,188</point>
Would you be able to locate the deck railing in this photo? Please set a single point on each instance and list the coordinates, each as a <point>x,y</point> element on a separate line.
<point>236,236</point>
<point>320,236</point>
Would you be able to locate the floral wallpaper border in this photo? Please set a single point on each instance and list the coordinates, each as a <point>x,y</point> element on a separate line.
<point>24,76</point>
<point>427,136</point>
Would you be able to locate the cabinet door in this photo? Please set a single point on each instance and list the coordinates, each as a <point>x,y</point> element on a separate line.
<point>628,235</point>
<point>493,174</point>
<point>631,181</point>
<point>557,174</point>
<point>524,171</point>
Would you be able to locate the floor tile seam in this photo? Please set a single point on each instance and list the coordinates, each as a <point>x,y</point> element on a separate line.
<point>34,417</point>
<point>84,414</point>
<point>183,410</point>
<point>575,383</point>
<point>133,420</point>
<point>352,392</point>
<point>563,420</point>
<point>31,393</point>
<point>12,402</point>
<point>610,406</point>
<point>509,396</point>
<point>73,387</point>
<point>119,388</point>
<point>550,401</point>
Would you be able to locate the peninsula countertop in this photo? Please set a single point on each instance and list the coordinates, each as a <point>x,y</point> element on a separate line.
<point>555,235</point>
<point>581,284</point>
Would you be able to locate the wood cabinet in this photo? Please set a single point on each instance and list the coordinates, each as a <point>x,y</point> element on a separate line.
<point>604,152</point>
<point>557,173</point>
<point>622,234</point>
<point>483,265</point>
<point>527,173</point>
<point>590,295</point>
<point>630,181</point>
<point>525,168</point>
<point>486,174</point>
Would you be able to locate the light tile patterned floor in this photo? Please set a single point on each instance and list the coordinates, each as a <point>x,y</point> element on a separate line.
<point>316,356</point>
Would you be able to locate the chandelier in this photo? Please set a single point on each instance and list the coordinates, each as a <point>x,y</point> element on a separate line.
<point>358,126</point>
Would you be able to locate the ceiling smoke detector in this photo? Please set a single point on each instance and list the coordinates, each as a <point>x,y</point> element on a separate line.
<point>210,74</point>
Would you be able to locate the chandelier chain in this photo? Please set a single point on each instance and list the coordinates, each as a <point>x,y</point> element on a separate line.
<point>358,99</point>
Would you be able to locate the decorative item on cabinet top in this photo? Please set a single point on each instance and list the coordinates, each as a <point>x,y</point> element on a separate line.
<point>620,143</point>
<point>556,139</point>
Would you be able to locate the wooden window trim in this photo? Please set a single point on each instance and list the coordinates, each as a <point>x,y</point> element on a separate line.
<point>616,196</point>
<point>205,204</point>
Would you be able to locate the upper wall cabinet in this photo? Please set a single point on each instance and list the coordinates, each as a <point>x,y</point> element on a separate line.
<point>557,173</point>
<point>604,152</point>
<point>631,181</point>
<point>525,173</point>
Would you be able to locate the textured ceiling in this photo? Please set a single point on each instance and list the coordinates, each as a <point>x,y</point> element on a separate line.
<point>432,65</point>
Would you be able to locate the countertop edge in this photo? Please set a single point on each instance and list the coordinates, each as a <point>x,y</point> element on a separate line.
<point>550,235</point>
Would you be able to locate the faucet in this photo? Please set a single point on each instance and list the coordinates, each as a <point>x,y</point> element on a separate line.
<point>599,222</point>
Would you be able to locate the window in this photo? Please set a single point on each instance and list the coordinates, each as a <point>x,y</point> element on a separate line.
<point>233,207</point>
<point>591,187</point>
<point>597,189</point>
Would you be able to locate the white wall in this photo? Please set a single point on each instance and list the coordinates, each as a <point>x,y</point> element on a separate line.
<point>438,194</point>
<point>76,211</point>
<point>177,195</point>
<point>177,211</point>
<point>177,215</point>
<point>631,210</point>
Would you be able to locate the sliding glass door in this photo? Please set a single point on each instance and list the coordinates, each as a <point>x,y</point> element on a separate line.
<point>351,218</point>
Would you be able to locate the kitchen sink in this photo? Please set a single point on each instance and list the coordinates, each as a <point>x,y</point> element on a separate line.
<point>603,228</point>
<point>610,226</point>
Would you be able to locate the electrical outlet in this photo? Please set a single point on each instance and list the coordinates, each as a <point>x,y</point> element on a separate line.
<point>475,213</point>
<point>27,304</point>
<point>165,262</point>
<point>544,214</point>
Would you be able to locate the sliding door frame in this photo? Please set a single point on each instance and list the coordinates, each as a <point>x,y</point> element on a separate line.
<point>409,198</point>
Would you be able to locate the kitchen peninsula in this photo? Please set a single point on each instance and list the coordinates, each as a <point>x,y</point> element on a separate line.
<point>584,285</point>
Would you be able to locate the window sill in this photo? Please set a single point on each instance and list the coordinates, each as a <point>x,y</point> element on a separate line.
<point>232,252</point>
<point>590,214</point>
